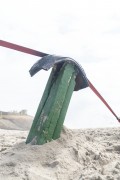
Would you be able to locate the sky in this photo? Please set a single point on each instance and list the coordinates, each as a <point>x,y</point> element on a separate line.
<point>87,31</point>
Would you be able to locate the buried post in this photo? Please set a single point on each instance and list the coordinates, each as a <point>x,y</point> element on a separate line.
<point>51,112</point>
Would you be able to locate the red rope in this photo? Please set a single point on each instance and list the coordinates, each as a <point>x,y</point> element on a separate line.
<point>102,99</point>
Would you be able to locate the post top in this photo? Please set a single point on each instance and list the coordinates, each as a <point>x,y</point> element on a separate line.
<point>50,60</point>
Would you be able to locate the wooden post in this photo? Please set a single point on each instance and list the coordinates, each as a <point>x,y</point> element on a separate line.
<point>49,118</point>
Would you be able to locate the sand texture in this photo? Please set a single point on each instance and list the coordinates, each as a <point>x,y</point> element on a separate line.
<point>16,122</point>
<point>88,154</point>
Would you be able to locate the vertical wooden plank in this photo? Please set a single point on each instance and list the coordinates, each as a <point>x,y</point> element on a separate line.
<point>52,109</point>
<point>59,100</point>
<point>40,107</point>
<point>64,108</point>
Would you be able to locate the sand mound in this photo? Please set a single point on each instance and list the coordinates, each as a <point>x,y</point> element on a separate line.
<point>91,154</point>
<point>16,122</point>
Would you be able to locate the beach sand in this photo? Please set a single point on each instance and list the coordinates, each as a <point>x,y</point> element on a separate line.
<point>83,154</point>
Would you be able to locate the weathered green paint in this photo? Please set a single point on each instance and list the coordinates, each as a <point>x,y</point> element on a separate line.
<point>64,108</point>
<point>40,107</point>
<point>48,122</point>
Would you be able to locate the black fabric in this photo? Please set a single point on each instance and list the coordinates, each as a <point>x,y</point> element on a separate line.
<point>50,60</point>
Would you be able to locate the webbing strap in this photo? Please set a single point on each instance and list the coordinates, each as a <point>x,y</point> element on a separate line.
<point>21,48</point>
<point>41,54</point>
<point>102,99</point>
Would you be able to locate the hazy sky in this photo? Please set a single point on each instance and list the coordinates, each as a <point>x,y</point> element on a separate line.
<point>86,30</point>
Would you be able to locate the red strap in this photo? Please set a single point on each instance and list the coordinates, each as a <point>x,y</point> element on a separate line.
<point>102,99</point>
<point>41,54</point>
<point>22,49</point>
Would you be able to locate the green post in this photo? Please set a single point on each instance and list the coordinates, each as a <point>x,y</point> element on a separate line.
<point>49,118</point>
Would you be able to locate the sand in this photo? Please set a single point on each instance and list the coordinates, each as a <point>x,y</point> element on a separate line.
<point>86,154</point>
<point>16,122</point>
